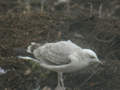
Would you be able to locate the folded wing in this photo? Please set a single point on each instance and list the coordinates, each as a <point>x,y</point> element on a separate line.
<point>56,53</point>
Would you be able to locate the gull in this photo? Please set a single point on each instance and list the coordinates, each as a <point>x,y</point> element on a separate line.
<point>61,57</point>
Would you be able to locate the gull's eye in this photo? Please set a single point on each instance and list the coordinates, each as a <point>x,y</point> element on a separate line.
<point>92,57</point>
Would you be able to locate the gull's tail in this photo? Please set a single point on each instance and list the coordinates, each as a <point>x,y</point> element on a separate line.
<point>26,53</point>
<point>20,52</point>
<point>23,54</point>
<point>32,47</point>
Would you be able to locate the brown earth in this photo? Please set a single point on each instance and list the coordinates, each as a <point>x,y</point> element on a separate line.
<point>18,29</point>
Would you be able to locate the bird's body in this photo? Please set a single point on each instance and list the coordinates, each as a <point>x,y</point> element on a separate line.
<point>62,56</point>
<point>57,53</point>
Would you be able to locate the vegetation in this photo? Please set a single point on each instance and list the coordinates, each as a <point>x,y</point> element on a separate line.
<point>89,23</point>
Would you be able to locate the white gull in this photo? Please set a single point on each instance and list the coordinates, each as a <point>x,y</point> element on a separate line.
<point>62,56</point>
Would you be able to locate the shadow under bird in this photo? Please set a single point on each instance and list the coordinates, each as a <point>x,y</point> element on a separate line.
<point>62,57</point>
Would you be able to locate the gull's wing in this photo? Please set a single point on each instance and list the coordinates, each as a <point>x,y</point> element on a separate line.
<point>56,53</point>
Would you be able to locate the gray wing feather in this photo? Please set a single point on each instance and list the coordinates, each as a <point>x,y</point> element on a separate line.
<point>57,53</point>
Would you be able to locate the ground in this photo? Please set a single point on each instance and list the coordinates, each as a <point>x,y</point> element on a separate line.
<point>18,29</point>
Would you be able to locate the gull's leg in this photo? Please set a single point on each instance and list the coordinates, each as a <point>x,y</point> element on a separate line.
<point>61,79</point>
<point>60,85</point>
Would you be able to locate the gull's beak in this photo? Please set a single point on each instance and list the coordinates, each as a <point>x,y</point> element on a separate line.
<point>100,62</point>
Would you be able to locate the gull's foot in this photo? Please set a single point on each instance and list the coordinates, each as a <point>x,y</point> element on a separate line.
<point>60,88</point>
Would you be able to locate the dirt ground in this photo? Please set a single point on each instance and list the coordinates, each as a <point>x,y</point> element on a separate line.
<point>18,29</point>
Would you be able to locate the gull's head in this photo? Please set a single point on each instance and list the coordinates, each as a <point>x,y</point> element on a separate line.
<point>91,56</point>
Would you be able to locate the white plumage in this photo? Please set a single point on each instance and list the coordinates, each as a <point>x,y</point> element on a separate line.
<point>57,53</point>
<point>62,56</point>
